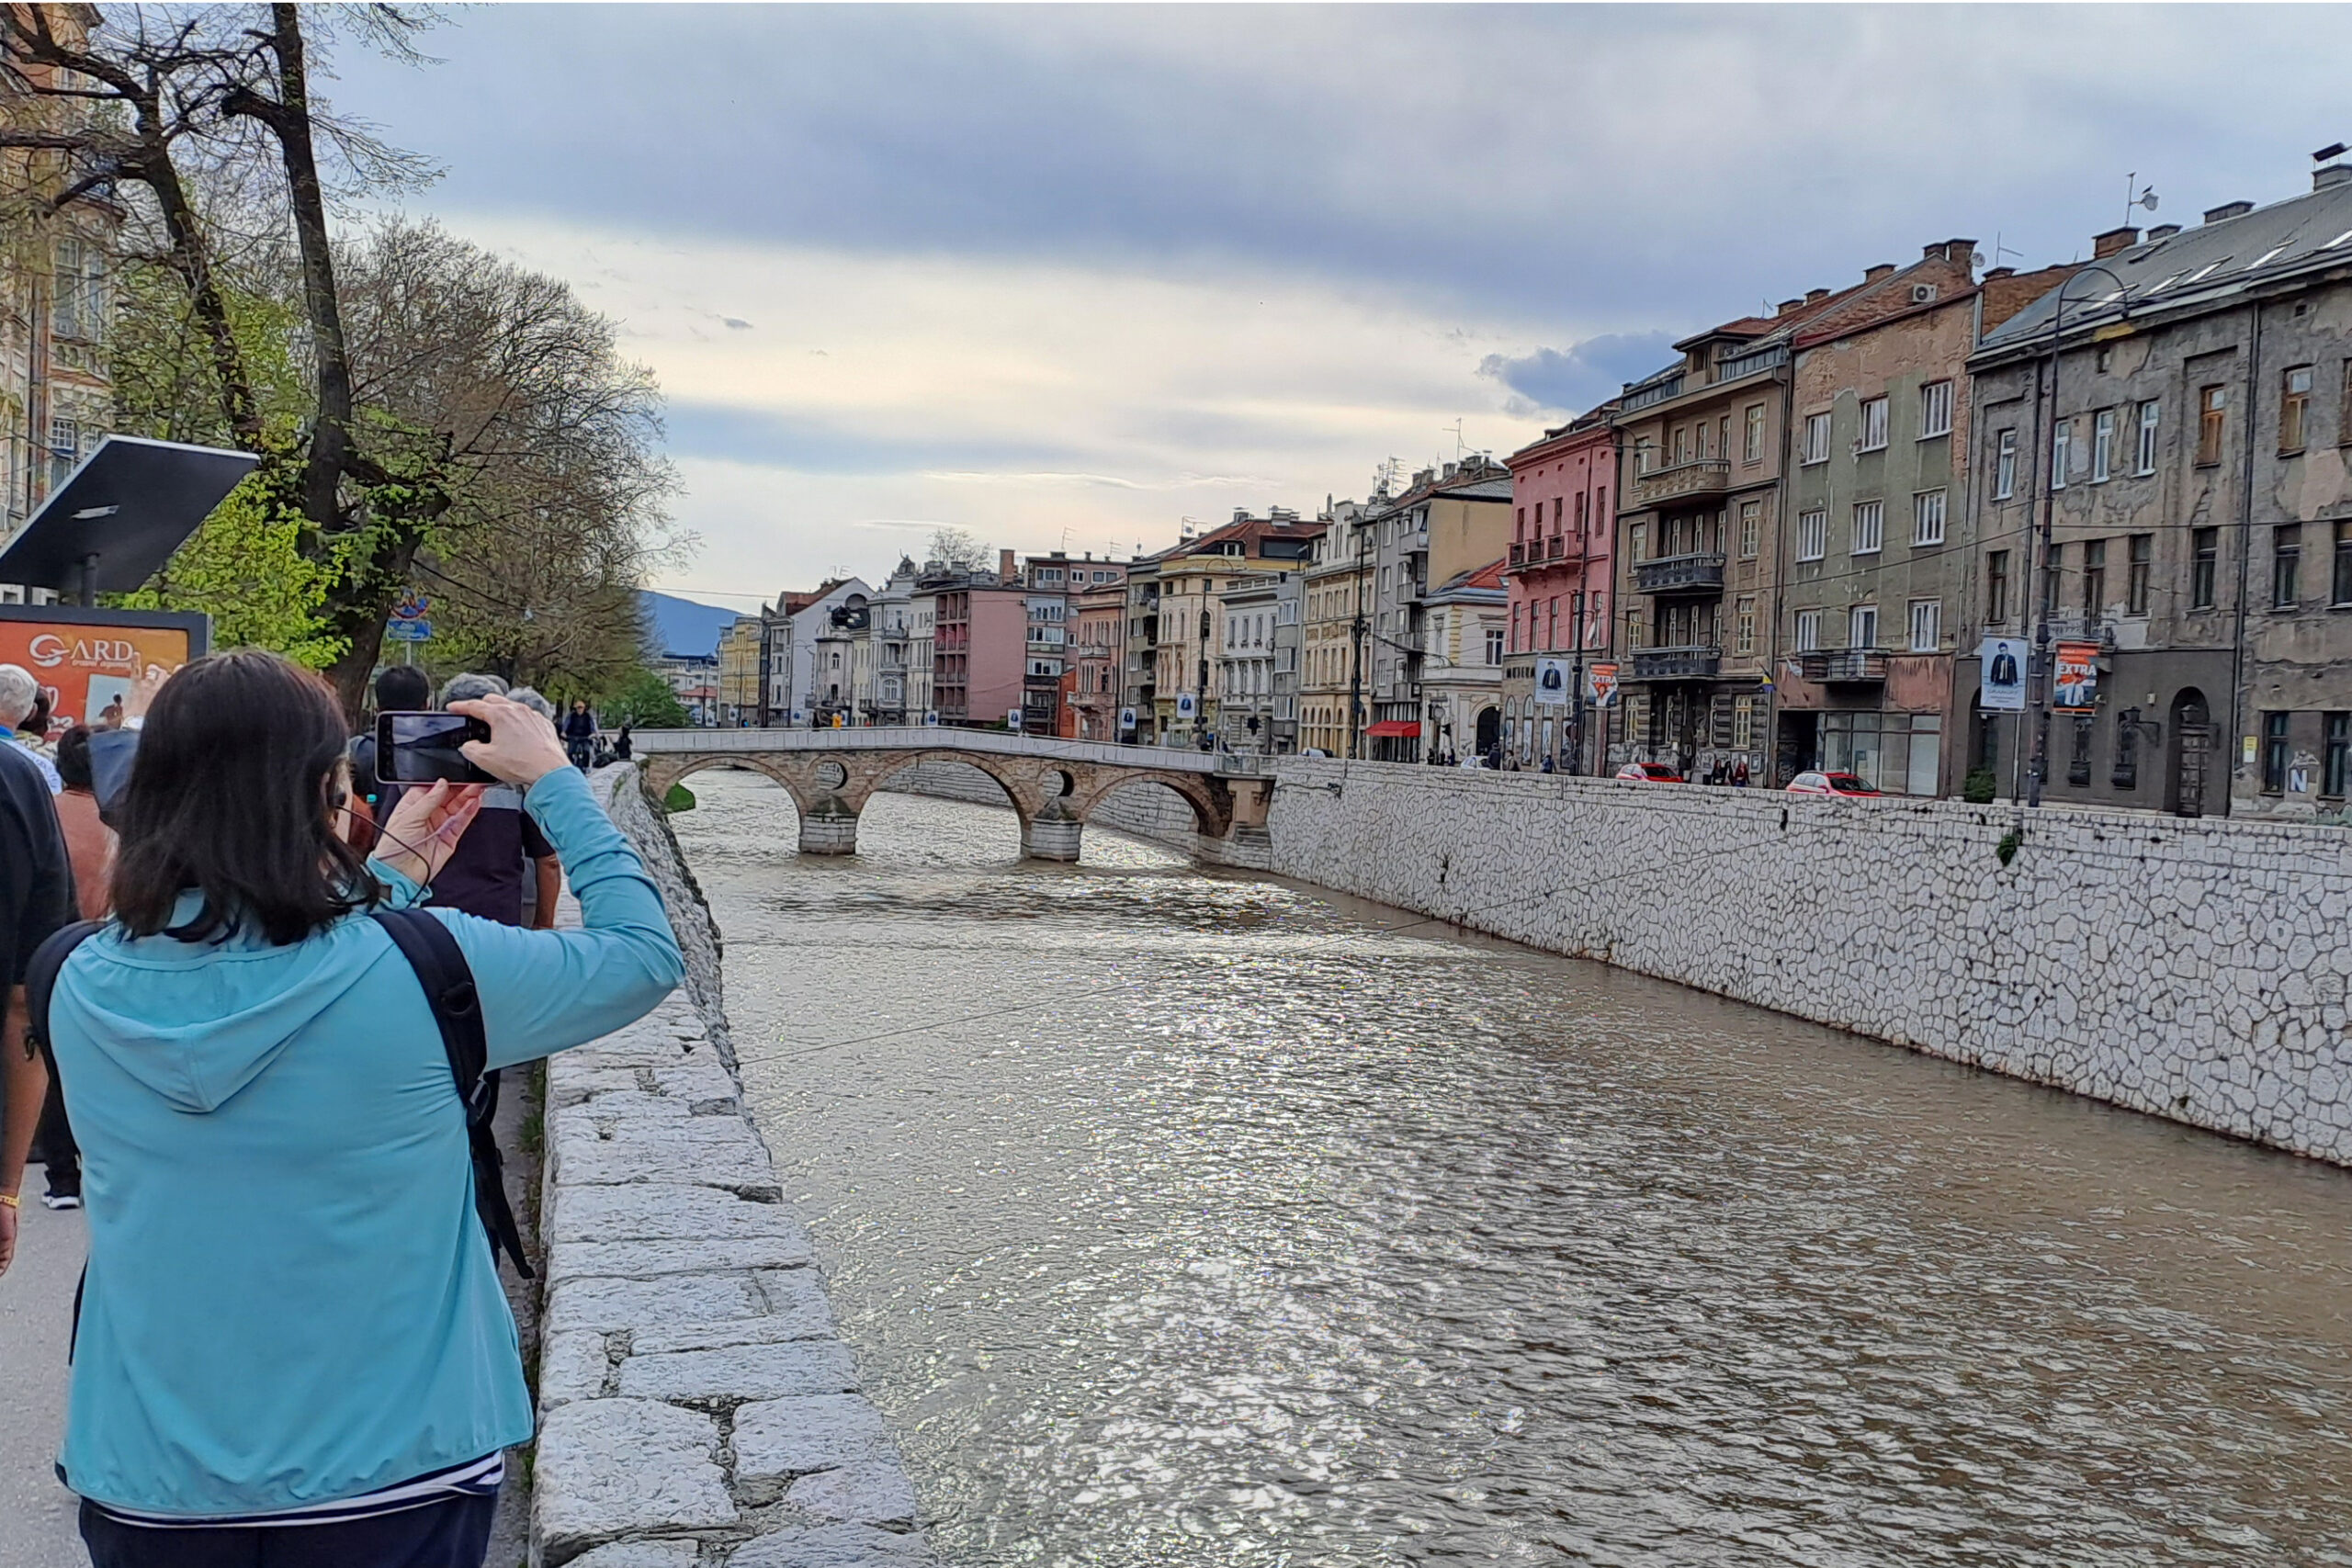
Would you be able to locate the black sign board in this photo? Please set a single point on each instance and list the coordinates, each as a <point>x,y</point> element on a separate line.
<point>121,516</point>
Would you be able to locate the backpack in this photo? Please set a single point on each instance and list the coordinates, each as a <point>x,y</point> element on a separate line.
<point>448,982</point>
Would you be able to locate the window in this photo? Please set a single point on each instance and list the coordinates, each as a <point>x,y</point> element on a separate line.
<point>2205,554</point>
<point>2335,757</point>
<point>2078,766</point>
<point>1751,514</point>
<point>2213,408</point>
<point>1935,410</point>
<point>1926,624</point>
<point>1928,517</point>
<point>2294,406</point>
<point>1813,535</point>
<point>1873,424</point>
<point>64,449</point>
<point>2102,446</point>
<point>1861,627</point>
<point>1753,451</point>
<point>2141,549</point>
<point>2275,753</point>
<point>2061,437</point>
<point>2344,410</point>
<point>1494,644</point>
<point>1637,541</point>
<point>2053,567</point>
<point>2286,565</point>
<point>2005,466</point>
<point>1996,587</point>
<point>1816,438</point>
<point>2340,580</point>
<point>1744,623</point>
<point>1743,723</point>
<point>78,311</point>
<point>1808,630</point>
<point>2094,578</point>
<point>2149,416</point>
<point>1870,527</point>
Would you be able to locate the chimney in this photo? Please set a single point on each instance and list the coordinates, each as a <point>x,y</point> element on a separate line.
<point>2000,272</point>
<point>1871,275</point>
<point>1961,250</point>
<point>2163,231</point>
<point>1241,514</point>
<point>1004,572</point>
<point>2114,240</point>
<point>2329,174</point>
<point>1785,306</point>
<point>2228,211</point>
<point>1813,294</point>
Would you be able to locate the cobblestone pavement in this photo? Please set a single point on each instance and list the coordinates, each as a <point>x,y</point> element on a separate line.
<point>35,1315</point>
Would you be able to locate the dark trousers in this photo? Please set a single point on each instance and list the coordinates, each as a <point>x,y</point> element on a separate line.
<point>53,1146</point>
<point>454,1533</point>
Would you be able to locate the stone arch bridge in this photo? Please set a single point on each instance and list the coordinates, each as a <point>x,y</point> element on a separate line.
<point>1052,785</point>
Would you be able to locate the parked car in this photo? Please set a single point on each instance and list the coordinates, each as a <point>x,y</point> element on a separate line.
<point>1650,773</point>
<point>1830,784</point>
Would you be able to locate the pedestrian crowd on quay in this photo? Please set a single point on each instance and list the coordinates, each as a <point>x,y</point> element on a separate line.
<point>259,994</point>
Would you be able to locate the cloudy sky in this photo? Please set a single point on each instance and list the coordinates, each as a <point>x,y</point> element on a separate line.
<point>1068,276</point>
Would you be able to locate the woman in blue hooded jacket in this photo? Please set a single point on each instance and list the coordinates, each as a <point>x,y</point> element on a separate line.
<point>293,1347</point>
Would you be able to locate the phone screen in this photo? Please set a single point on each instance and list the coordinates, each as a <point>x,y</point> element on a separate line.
<point>419,748</point>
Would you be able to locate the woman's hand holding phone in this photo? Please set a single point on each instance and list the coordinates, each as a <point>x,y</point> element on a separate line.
<point>425,828</point>
<point>523,746</point>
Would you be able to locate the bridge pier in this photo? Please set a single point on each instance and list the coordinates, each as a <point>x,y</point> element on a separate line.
<point>1051,838</point>
<point>828,827</point>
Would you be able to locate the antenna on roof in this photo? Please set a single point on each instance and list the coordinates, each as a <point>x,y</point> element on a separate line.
<point>1456,427</point>
<point>2147,196</point>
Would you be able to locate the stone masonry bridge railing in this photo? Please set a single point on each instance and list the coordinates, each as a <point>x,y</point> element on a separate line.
<point>1052,785</point>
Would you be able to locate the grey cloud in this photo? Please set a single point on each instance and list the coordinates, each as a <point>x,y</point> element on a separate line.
<point>1573,381</point>
<point>1564,165</point>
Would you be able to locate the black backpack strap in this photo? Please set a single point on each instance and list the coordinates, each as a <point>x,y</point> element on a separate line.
<point>448,982</point>
<point>40,978</point>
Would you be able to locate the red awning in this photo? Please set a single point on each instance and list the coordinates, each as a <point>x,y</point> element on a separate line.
<point>1395,728</point>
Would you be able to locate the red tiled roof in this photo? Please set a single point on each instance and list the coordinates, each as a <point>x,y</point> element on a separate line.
<point>1488,576</point>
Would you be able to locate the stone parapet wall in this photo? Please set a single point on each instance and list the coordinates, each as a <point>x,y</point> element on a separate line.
<point>2193,969</point>
<point>697,1408</point>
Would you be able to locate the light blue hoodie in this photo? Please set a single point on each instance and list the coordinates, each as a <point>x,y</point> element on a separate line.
<point>289,1299</point>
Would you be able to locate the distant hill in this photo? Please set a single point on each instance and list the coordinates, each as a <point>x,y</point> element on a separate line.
<point>681,625</point>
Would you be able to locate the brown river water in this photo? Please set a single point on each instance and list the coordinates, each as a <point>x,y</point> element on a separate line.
<point>1189,1217</point>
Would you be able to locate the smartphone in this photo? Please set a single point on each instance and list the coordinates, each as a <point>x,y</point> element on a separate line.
<point>421,748</point>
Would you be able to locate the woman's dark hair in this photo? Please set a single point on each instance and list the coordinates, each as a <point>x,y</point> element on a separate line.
<point>229,794</point>
<point>37,720</point>
<point>73,757</point>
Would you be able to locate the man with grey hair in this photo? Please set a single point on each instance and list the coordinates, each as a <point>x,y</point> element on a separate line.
<point>531,699</point>
<point>18,692</point>
<point>485,874</point>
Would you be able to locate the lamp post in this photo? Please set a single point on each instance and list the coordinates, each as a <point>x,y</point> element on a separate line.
<point>2039,689</point>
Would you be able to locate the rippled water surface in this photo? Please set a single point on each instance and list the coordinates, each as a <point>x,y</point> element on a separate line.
<point>1186,1218</point>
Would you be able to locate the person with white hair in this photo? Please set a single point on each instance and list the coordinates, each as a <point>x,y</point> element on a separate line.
<point>19,694</point>
<point>36,897</point>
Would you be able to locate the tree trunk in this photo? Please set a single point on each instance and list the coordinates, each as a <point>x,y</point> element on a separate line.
<point>331,440</point>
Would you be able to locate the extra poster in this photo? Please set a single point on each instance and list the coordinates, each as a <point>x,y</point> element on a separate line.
<point>2074,678</point>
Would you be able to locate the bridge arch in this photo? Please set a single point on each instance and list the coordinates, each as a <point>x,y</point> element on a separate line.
<point>1024,803</point>
<point>1208,819</point>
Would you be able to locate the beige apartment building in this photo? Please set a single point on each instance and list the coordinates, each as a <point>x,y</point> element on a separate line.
<point>1334,593</point>
<point>1191,629</point>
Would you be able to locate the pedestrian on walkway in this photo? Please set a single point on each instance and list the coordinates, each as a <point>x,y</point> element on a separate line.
<point>21,698</point>
<point>579,733</point>
<point>36,897</point>
<point>293,1347</point>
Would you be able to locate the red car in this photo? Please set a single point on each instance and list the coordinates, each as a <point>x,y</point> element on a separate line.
<point>1650,773</point>
<point>1830,784</point>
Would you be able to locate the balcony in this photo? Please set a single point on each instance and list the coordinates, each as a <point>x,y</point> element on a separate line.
<point>1676,664</point>
<point>1843,666</point>
<point>1700,479</point>
<point>1680,574</point>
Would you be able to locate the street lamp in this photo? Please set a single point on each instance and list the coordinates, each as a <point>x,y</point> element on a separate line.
<point>2039,688</point>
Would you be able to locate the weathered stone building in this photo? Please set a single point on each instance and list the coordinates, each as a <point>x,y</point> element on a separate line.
<point>1452,519</point>
<point>1876,561</point>
<point>1699,512</point>
<point>2201,523</point>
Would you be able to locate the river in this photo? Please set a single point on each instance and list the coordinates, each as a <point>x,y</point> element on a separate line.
<point>1187,1217</point>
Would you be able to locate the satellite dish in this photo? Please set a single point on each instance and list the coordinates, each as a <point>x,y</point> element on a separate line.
<point>2148,199</point>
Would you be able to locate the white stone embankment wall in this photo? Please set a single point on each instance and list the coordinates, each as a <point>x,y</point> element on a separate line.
<point>2190,969</point>
<point>697,1408</point>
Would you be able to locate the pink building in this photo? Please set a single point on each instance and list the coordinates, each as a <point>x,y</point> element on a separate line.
<point>1563,493</point>
<point>978,645</point>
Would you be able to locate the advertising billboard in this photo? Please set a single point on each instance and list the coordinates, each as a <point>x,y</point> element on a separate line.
<point>1601,684</point>
<point>2001,664</point>
<point>1552,680</point>
<point>88,661</point>
<point>2074,686</point>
